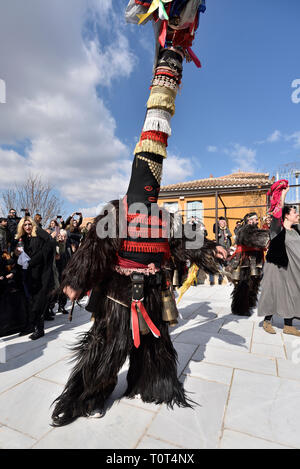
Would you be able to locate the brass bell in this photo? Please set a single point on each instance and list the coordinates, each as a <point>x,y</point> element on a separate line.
<point>236,274</point>
<point>170,311</point>
<point>176,278</point>
<point>143,327</point>
<point>255,271</point>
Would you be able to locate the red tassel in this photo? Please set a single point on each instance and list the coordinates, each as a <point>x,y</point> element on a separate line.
<point>163,33</point>
<point>194,57</point>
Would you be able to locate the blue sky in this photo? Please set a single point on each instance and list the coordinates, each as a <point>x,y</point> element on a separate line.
<point>76,94</point>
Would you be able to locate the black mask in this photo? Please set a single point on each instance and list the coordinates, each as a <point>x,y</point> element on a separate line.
<point>145,179</point>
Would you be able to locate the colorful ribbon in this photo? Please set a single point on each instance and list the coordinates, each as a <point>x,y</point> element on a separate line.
<point>135,322</point>
<point>156,4</point>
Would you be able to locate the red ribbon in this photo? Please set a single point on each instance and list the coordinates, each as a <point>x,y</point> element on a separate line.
<point>240,249</point>
<point>135,322</point>
<point>163,33</point>
<point>194,57</point>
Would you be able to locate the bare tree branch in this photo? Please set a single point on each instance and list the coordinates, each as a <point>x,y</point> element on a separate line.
<point>34,194</point>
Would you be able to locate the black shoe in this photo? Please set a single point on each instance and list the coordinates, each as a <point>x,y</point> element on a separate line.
<point>37,335</point>
<point>63,310</point>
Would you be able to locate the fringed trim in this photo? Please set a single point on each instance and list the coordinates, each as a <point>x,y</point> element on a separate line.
<point>158,120</point>
<point>162,98</point>
<point>133,246</point>
<point>127,272</point>
<point>150,146</point>
<point>145,219</point>
<point>156,136</point>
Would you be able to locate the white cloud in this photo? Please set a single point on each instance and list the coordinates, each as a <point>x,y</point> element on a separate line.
<point>274,137</point>
<point>176,169</point>
<point>244,157</point>
<point>295,138</point>
<point>51,74</point>
<point>212,149</point>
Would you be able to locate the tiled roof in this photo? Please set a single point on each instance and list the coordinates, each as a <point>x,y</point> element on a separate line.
<point>240,179</point>
<point>87,220</point>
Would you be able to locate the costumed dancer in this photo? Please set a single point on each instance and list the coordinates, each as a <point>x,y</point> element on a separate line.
<point>245,265</point>
<point>280,289</point>
<point>132,298</point>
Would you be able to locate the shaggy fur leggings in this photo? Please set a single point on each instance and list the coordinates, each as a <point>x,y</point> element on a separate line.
<point>101,353</point>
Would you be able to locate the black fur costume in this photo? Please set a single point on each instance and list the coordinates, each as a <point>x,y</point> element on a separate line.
<point>103,350</point>
<point>248,263</point>
<point>98,265</point>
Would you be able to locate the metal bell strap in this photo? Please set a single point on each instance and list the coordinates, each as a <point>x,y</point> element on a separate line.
<point>138,306</point>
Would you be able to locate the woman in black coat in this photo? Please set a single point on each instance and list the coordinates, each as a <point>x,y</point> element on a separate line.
<point>37,278</point>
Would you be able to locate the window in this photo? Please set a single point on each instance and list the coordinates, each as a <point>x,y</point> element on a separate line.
<point>172,207</point>
<point>195,209</point>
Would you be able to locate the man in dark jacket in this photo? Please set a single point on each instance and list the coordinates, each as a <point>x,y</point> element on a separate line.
<point>12,225</point>
<point>223,239</point>
<point>3,234</point>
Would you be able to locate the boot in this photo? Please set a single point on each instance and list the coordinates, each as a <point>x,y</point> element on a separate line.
<point>268,327</point>
<point>291,330</point>
<point>37,334</point>
<point>39,329</point>
<point>62,310</point>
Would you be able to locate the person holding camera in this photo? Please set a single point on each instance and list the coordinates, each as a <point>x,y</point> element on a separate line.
<point>38,220</point>
<point>74,232</point>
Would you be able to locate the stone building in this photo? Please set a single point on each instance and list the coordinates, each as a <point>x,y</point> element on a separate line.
<point>231,196</point>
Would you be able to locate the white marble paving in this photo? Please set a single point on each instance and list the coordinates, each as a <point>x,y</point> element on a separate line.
<point>265,407</point>
<point>11,439</point>
<point>246,383</point>
<point>194,428</point>
<point>235,440</point>
<point>275,351</point>
<point>26,408</point>
<point>234,359</point>
<point>260,336</point>
<point>209,372</point>
<point>288,369</point>
<point>120,428</point>
<point>150,442</point>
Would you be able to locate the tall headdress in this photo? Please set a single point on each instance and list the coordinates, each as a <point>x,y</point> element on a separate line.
<point>175,23</point>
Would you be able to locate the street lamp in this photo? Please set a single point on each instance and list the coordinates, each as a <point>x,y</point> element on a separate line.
<point>297,174</point>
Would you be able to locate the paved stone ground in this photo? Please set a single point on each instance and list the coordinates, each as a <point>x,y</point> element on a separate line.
<point>246,382</point>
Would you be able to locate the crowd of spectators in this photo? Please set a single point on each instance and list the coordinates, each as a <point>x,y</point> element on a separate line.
<point>32,260</point>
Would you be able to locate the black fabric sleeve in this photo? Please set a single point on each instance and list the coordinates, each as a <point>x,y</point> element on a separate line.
<point>276,227</point>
